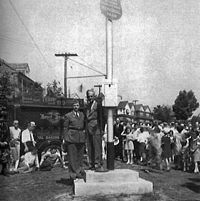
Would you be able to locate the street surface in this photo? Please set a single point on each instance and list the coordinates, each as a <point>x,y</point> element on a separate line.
<point>55,186</point>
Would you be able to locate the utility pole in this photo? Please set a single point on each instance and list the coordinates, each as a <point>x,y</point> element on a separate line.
<point>99,86</point>
<point>66,56</point>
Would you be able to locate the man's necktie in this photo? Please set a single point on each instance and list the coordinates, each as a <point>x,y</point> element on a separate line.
<point>31,137</point>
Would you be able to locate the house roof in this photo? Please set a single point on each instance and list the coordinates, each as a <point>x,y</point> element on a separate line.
<point>122,104</point>
<point>7,65</point>
<point>20,66</point>
<point>137,107</point>
<point>131,105</point>
<point>28,79</point>
<point>146,107</point>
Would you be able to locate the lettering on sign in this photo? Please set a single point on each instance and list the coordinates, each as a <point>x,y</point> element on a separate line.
<point>111,9</point>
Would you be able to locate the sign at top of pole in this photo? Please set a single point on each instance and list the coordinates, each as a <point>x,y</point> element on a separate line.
<point>111,9</point>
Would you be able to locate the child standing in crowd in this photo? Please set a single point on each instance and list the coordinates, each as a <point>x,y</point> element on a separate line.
<point>129,147</point>
<point>143,140</point>
<point>166,149</point>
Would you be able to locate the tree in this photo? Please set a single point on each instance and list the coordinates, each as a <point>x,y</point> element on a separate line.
<point>5,92</point>
<point>162,113</point>
<point>185,104</point>
<point>53,89</point>
<point>6,87</point>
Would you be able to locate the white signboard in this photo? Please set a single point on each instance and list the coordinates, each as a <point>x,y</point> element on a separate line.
<point>110,92</point>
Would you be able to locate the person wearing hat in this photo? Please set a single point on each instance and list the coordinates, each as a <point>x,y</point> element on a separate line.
<point>28,140</point>
<point>74,140</point>
<point>15,133</point>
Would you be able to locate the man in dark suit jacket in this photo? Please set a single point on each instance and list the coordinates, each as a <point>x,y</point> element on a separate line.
<point>94,132</point>
<point>75,138</point>
<point>118,128</point>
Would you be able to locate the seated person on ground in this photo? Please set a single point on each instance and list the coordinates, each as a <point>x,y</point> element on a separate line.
<point>50,159</point>
<point>29,162</point>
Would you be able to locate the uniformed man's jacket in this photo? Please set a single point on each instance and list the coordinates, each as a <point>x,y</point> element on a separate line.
<point>74,128</point>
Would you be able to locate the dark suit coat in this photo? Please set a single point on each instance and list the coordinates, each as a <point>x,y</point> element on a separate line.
<point>118,130</point>
<point>74,128</point>
<point>93,119</point>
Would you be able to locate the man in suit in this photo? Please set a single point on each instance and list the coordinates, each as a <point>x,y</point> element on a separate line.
<point>75,138</point>
<point>118,128</point>
<point>94,132</point>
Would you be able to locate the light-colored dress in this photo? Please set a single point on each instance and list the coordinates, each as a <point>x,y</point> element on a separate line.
<point>196,149</point>
<point>129,142</point>
<point>15,142</point>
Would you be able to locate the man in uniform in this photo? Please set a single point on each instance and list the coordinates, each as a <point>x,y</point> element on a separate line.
<point>94,132</point>
<point>74,139</point>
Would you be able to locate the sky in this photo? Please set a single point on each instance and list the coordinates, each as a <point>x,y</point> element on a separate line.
<point>156,46</point>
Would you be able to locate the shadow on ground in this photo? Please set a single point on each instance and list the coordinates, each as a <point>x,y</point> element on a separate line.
<point>65,181</point>
<point>194,179</point>
<point>192,186</point>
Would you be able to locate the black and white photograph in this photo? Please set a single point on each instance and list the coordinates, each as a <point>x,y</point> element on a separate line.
<point>99,100</point>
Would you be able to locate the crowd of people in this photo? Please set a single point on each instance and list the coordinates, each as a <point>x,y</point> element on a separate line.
<point>80,129</point>
<point>161,145</point>
<point>22,153</point>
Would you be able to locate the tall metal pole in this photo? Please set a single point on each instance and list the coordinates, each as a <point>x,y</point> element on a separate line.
<point>109,69</point>
<point>113,11</point>
<point>109,50</point>
<point>65,76</point>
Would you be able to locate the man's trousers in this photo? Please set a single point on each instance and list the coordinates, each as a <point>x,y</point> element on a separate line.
<point>94,145</point>
<point>75,157</point>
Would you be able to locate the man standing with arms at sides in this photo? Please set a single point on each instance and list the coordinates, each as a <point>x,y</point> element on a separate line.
<point>15,133</point>
<point>74,140</point>
<point>118,128</point>
<point>94,132</point>
<point>28,141</point>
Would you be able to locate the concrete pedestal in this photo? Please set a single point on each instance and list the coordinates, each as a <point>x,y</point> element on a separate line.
<point>118,181</point>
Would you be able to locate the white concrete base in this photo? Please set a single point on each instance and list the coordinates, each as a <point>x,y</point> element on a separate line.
<point>118,181</point>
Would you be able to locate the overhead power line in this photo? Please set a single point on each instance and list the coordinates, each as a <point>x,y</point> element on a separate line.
<point>86,66</point>
<point>12,40</point>
<point>27,30</point>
